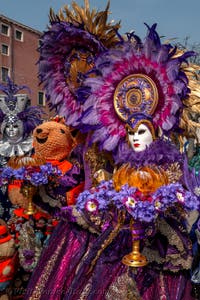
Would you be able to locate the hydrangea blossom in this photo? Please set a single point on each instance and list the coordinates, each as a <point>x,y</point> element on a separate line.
<point>36,175</point>
<point>141,207</point>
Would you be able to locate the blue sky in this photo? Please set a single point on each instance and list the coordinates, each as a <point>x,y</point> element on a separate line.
<point>175,18</point>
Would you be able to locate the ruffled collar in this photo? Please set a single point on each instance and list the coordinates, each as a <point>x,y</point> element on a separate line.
<point>21,148</point>
<point>159,152</point>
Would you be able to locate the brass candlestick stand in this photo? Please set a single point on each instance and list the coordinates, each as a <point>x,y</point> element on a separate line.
<point>135,258</point>
<point>29,190</point>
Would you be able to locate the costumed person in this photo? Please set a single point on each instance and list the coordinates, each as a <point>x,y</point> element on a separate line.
<point>135,90</point>
<point>32,226</point>
<point>88,255</point>
<point>189,142</point>
<point>18,119</point>
<point>67,52</point>
<point>53,143</point>
<point>192,182</point>
<point>189,122</point>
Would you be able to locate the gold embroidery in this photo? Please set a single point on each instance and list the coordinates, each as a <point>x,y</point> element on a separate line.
<point>40,286</point>
<point>174,172</point>
<point>167,230</point>
<point>97,160</point>
<point>162,291</point>
<point>123,288</point>
<point>86,291</point>
<point>110,238</point>
<point>177,259</point>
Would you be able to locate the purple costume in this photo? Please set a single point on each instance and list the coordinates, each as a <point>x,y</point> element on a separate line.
<point>119,78</point>
<point>67,270</point>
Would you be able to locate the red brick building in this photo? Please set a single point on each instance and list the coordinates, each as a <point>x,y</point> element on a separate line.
<point>19,56</point>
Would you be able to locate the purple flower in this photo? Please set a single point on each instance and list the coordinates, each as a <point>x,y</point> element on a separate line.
<point>19,173</point>
<point>92,205</point>
<point>36,179</point>
<point>142,211</point>
<point>191,201</point>
<point>7,173</point>
<point>82,198</point>
<point>47,168</point>
<point>141,207</point>
<point>37,175</point>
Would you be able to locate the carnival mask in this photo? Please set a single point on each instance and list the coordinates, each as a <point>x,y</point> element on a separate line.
<point>141,138</point>
<point>12,130</point>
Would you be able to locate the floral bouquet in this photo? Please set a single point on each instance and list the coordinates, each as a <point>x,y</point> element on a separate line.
<point>35,175</point>
<point>28,173</point>
<point>141,207</point>
<point>141,210</point>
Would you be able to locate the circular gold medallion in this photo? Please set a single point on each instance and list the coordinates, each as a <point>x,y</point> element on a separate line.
<point>135,93</point>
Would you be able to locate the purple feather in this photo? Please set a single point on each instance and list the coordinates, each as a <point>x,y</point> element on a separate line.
<point>159,152</point>
<point>31,117</point>
<point>191,179</point>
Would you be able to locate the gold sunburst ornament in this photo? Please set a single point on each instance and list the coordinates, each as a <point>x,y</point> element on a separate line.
<point>135,93</point>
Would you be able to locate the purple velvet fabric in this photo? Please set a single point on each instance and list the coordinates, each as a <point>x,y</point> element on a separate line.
<point>64,271</point>
<point>70,270</point>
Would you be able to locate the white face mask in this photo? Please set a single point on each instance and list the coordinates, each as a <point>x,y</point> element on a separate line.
<point>12,130</point>
<point>140,139</point>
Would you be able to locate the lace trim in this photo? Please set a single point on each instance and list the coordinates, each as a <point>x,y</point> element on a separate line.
<point>171,235</point>
<point>8,149</point>
<point>47,199</point>
<point>82,222</point>
<point>123,288</point>
<point>177,259</point>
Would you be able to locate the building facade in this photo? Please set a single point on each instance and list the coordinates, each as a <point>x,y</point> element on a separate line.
<point>19,56</point>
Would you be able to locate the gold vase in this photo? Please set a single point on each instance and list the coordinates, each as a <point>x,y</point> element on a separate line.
<point>135,258</point>
<point>29,190</point>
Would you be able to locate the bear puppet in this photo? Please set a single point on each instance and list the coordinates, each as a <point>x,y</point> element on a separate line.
<point>53,142</point>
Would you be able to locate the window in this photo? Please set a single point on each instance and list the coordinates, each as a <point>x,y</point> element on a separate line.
<point>41,99</point>
<point>4,29</point>
<point>4,74</point>
<point>39,43</point>
<point>4,49</point>
<point>18,35</point>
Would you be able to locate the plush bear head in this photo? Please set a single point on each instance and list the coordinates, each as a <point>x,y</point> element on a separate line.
<point>53,140</point>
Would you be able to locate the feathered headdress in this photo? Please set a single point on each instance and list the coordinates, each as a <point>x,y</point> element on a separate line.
<point>96,79</point>
<point>68,50</point>
<point>16,107</point>
<point>191,106</point>
<point>192,178</point>
<point>134,77</point>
